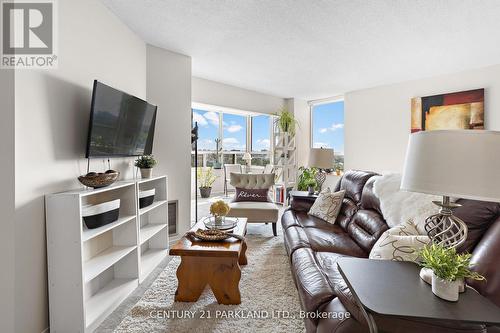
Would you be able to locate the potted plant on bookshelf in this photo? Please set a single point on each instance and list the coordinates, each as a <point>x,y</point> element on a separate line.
<point>286,121</point>
<point>218,150</point>
<point>206,179</point>
<point>449,270</point>
<point>146,163</point>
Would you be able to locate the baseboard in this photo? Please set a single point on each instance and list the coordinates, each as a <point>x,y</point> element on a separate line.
<point>47,330</point>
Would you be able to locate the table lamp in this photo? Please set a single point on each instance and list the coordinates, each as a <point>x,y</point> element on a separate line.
<point>248,160</point>
<point>321,158</point>
<point>452,163</point>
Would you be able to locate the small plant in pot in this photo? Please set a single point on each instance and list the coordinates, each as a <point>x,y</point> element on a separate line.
<point>206,179</point>
<point>449,270</point>
<point>146,163</point>
<point>286,121</point>
<point>307,179</point>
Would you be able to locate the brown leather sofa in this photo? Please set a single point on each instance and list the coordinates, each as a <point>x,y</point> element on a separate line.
<point>314,247</point>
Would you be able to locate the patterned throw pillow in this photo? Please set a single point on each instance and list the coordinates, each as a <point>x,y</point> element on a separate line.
<point>327,205</point>
<point>253,195</point>
<point>400,243</point>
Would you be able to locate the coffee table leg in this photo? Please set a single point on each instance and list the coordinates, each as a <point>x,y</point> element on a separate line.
<point>243,254</point>
<point>191,282</point>
<point>225,279</point>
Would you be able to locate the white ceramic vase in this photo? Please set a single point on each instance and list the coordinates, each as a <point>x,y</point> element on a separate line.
<point>427,273</point>
<point>146,173</point>
<point>447,290</point>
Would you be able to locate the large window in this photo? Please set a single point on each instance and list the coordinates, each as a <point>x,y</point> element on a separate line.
<point>261,139</point>
<point>237,134</point>
<point>328,128</point>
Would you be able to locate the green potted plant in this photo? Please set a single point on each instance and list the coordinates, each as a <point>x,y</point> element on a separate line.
<point>311,185</point>
<point>146,164</point>
<point>286,121</point>
<point>449,270</point>
<point>218,150</point>
<point>307,178</point>
<point>206,179</point>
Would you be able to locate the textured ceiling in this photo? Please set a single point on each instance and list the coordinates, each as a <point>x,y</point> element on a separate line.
<point>318,48</point>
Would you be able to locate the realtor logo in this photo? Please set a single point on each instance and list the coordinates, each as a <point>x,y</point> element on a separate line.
<point>28,34</point>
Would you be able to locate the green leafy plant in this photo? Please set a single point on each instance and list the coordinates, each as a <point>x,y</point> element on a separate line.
<point>306,178</point>
<point>286,121</point>
<point>206,177</point>
<point>447,264</point>
<point>145,162</point>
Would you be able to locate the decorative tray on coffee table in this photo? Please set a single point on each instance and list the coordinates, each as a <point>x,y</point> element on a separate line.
<point>228,223</point>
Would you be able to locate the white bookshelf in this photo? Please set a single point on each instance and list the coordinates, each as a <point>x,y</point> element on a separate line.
<point>91,271</point>
<point>285,163</point>
<point>153,226</point>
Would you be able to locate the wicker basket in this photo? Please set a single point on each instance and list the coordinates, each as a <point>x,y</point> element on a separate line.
<point>99,180</point>
<point>211,235</point>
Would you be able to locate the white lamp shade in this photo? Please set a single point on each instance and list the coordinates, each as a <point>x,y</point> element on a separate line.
<point>246,157</point>
<point>321,158</point>
<point>455,163</point>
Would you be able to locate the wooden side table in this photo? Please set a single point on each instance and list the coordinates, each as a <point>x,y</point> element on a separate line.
<point>392,288</point>
<point>214,263</point>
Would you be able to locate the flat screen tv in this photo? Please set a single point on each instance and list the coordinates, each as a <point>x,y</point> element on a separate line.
<point>120,124</point>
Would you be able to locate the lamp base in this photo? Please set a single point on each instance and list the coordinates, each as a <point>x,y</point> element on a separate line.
<point>444,228</point>
<point>320,178</point>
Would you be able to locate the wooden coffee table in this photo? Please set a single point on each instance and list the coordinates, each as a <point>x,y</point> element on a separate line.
<point>214,263</point>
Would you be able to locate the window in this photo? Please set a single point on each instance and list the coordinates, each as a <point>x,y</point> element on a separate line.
<point>328,129</point>
<point>235,132</point>
<point>261,139</point>
<point>208,129</point>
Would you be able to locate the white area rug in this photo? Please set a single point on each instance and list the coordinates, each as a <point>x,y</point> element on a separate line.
<point>266,286</point>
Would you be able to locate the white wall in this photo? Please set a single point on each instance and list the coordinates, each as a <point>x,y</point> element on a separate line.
<point>52,113</point>
<point>7,201</point>
<point>377,120</point>
<point>302,113</point>
<point>219,94</point>
<point>169,86</point>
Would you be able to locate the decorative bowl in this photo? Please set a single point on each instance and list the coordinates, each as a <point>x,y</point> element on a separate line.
<point>227,223</point>
<point>97,180</point>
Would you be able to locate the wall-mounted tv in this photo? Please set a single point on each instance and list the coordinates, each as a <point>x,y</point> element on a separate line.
<point>120,124</point>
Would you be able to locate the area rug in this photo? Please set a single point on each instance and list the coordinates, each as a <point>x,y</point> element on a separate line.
<point>269,300</point>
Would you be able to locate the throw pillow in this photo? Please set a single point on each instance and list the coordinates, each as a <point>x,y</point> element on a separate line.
<point>327,205</point>
<point>400,243</point>
<point>253,195</point>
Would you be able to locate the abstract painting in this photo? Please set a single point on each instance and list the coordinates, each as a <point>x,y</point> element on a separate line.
<point>459,110</point>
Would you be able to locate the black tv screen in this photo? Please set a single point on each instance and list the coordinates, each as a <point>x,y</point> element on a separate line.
<point>120,124</point>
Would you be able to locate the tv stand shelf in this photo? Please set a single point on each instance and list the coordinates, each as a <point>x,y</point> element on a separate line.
<point>91,271</point>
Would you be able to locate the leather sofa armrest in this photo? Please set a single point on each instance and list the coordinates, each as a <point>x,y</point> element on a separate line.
<point>301,204</point>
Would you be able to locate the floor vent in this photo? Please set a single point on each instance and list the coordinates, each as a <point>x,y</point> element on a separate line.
<point>173,215</point>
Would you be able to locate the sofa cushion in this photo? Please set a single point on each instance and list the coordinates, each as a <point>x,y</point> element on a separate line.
<point>339,242</point>
<point>295,238</point>
<point>312,285</point>
<point>327,205</point>
<point>327,261</point>
<point>254,211</point>
<point>305,220</point>
<point>478,215</point>
<point>347,211</point>
<point>353,182</point>
<point>366,227</point>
